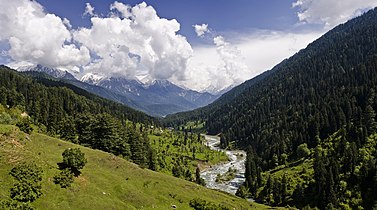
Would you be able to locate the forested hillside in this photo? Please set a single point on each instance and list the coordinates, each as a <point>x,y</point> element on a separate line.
<point>66,111</point>
<point>199,115</point>
<point>63,110</point>
<point>328,87</point>
<point>49,101</point>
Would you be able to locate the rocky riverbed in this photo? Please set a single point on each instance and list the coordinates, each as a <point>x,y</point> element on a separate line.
<point>237,161</point>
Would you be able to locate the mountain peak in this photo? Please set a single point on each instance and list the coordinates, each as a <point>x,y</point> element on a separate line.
<point>162,83</point>
<point>92,78</point>
<point>54,72</point>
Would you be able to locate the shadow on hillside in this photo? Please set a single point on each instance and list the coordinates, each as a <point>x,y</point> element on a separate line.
<point>63,166</point>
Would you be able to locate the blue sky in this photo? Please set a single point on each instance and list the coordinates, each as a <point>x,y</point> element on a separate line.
<point>232,40</point>
<point>223,15</point>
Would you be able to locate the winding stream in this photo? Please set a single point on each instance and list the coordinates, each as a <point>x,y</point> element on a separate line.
<point>237,161</point>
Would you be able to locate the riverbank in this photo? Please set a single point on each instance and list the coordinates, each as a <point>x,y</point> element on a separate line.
<point>236,162</point>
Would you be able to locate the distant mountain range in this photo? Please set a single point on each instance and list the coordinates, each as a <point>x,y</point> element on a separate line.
<point>158,98</point>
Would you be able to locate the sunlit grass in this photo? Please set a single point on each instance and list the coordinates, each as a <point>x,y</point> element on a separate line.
<point>106,182</point>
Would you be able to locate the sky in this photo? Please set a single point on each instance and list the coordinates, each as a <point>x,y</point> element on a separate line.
<point>205,45</point>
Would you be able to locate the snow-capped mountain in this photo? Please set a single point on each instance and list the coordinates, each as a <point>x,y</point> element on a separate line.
<point>157,98</point>
<point>54,72</point>
<point>92,78</point>
<point>160,97</point>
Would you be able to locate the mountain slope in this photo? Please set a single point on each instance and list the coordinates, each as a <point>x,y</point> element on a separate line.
<point>49,101</point>
<point>159,98</point>
<point>106,182</point>
<point>305,83</point>
<point>325,88</point>
<point>203,113</point>
<point>56,73</point>
<point>328,71</point>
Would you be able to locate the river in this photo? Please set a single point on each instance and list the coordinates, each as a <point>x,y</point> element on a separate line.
<point>237,161</point>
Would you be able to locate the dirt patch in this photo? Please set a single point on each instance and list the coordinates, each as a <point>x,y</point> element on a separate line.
<point>11,148</point>
<point>16,143</point>
<point>82,181</point>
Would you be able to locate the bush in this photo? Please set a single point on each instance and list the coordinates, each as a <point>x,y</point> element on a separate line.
<point>25,125</point>
<point>25,191</point>
<point>74,159</point>
<point>27,172</point>
<point>64,178</point>
<point>303,151</point>
<point>242,191</point>
<point>15,205</point>
<point>200,204</point>
<point>28,188</point>
<point>5,118</point>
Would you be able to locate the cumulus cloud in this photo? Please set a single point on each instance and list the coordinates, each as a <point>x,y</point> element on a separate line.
<point>222,67</point>
<point>232,61</point>
<point>245,56</point>
<point>201,29</point>
<point>133,41</point>
<point>331,12</point>
<point>89,10</point>
<point>67,23</point>
<point>124,9</point>
<point>37,37</point>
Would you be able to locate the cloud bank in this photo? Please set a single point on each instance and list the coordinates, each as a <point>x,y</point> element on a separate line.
<point>37,37</point>
<point>230,63</point>
<point>331,12</point>
<point>134,41</point>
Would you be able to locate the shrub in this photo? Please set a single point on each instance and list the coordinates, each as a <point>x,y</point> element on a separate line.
<point>28,188</point>
<point>5,118</point>
<point>64,178</point>
<point>26,192</point>
<point>74,159</point>
<point>302,150</point>
<point>15,205</point>
<point>242,191</point>
<point>200,204</point>
<point>25,125</point>
<point>27,172</point>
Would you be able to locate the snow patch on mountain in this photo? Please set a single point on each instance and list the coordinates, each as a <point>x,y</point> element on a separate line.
<point>92,78</point>
<point>54,72</point>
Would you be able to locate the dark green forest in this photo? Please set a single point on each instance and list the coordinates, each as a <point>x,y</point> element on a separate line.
<point>326,89</point>
<point>75,115</point>
<point>49,101</point>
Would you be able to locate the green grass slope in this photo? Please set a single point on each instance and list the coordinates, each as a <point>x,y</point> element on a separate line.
<point>106,182</point>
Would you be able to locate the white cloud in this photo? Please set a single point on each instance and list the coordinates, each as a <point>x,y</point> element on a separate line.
<point>201,29</point>
<point>89,10</point>
<point>67,23</point>
<point>135,41</point>
<point>331,12</point>
<point>215,67</point>
<point>123,9</point>
<point>37,37</point>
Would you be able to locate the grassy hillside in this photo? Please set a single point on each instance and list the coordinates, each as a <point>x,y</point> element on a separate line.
<point>180,153</point>
<point>106,182</point>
